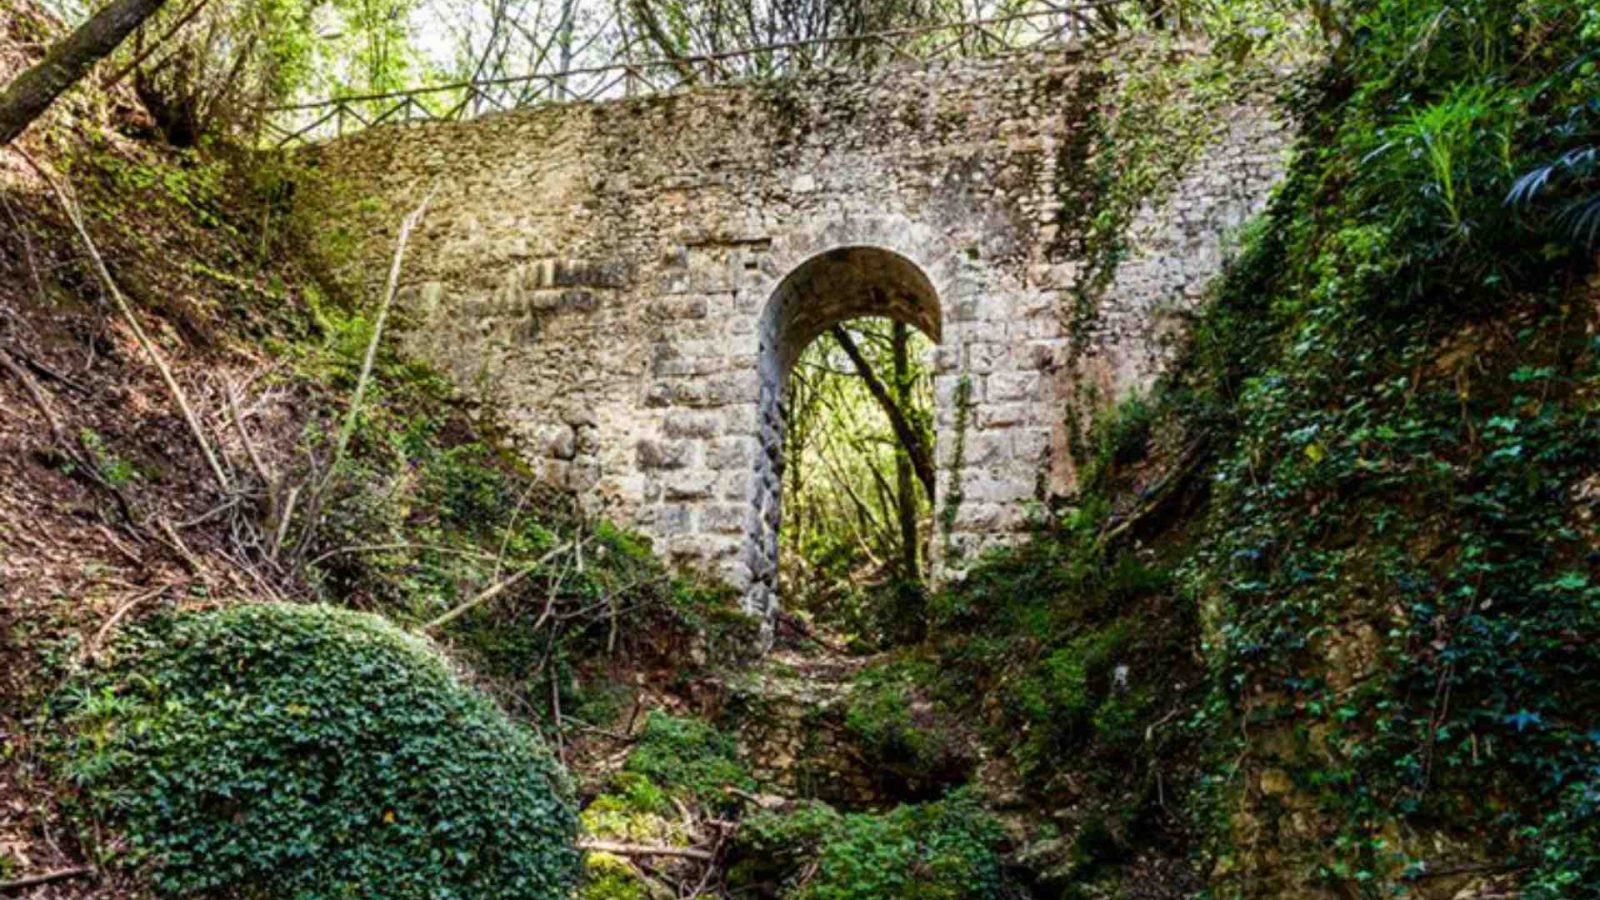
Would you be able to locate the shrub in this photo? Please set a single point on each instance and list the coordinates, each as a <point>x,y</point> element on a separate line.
<point>304,751</point>
<point>906,737</point>
<point>687,756</point>
<point>947,850</point>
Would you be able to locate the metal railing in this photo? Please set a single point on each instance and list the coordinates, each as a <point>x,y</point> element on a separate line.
<point>1042,24</point>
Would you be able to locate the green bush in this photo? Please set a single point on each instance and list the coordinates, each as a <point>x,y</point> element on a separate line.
<point>687,756</point>
<point>906,737</point>
<point>946,850</point>
<point>304,751</point>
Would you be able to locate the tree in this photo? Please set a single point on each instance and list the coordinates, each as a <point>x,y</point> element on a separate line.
<point>68,61</point>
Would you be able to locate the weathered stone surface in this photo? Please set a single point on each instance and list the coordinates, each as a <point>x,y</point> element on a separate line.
<point>630,281</point>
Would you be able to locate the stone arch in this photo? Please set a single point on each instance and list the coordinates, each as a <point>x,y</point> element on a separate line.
<point>833,286</point>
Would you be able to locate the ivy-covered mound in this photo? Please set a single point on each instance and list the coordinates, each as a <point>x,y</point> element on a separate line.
<point>305,751</point>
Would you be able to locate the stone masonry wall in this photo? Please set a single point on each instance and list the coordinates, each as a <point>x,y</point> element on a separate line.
<point>628,280</point>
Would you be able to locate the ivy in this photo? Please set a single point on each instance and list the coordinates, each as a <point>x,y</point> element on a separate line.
<point>302,751</point>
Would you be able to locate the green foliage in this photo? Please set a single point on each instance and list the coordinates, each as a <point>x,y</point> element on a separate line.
<point>1396,561</point>
<point>851,500</point>
<point>1119,437</point>
<point>689,757</point>
<point>310,752</point>
<point>117,472</point>
<point>608,877</point>
<point>909,740</point>
<point>944,850</point>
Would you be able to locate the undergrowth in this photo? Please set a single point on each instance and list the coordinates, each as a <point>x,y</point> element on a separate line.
<point>944,850</point>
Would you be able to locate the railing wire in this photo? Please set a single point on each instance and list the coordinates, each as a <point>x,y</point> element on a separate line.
<point>1042,25</point>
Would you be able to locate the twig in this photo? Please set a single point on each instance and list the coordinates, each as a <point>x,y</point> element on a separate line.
<point>555,709</point>
<point>621,849</point>
<point>74,214</point>
<point>244,438</point>
<point>46,878</point>
<point>511,524</point>
<point>44,371</point>
<point>38,397</point>
<point>286,516</point>
<point>82,466</point>
<point>398,545</point>
<point>92,649</point>
<point>497,589</point>
<point>178,546</point>
<point>27,248</point>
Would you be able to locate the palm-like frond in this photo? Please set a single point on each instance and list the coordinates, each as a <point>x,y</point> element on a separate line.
<point>1581,219</point>
<point>1573,164</point>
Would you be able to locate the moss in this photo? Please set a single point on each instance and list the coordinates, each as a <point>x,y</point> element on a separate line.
<point>958,460</point>
<point>907,739</point>
<point>946,850</point>
<point>688,757</point>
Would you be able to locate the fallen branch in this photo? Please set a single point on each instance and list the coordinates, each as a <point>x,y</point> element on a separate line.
<point>121,302</point>
<point>21,374</point>
<point>1163,491</point>
<point>176,544</point>
<point>82,466</point>
<point>620,849</point>
<point>92,649</point>
<point>497,589</point>
<point>313,501</point>
<point>342,443</point>
<point>45,878</point>
<point>400,545</point>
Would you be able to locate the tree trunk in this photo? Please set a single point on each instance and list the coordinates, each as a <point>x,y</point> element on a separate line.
<point>921,460</point>
<point>905,488</point>
<point>69,60</point>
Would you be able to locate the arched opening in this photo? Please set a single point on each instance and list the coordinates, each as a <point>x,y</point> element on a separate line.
<point>824,292</point>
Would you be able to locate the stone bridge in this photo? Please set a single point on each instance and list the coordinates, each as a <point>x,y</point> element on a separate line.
<point>631,280</point>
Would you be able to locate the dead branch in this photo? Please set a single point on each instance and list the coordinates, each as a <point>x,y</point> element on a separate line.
<point>11,365</point>
<point>620,849</point>
<point>1161,493</point>
<point>313,502</point>
<point>401,545</point>
<point>497,589</point>
<point>75,215</point>
<point>348,429</point>
<point>169,536</point>
<point>92,649</point>
<point>45,878</point>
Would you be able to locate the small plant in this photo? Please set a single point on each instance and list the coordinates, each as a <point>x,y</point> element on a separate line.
<point>906,737</point>
<point>117,471</point>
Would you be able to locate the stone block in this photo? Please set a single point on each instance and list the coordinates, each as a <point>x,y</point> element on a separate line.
<point>731,453</point>
<point>1005,415</point>
<point>681,307</point>
<point>1011,387</point>
<point>654,454</point>
<point>692,424</point>
<point>725,518</point>
<point>690,484</point>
